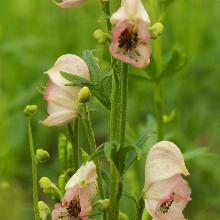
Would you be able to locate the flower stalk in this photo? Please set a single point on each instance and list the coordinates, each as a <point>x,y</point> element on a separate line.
<point>34,169</point>
<point>91,139</point>
<point>74,138</point>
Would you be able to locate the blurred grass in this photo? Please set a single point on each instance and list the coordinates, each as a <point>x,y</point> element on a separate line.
<point>33,34</point>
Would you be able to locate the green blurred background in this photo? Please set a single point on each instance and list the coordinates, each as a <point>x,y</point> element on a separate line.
<point>34,33</point>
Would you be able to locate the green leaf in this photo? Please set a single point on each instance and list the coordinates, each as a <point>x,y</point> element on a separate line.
<point>94,69</point>
<point>76,80</point>
<point>175,63</point>
<point>137,152</point>
<point>166,3</point>
<point>98,153</point>
<point>142,140</point>
<point>151,69</point>
<point>98,90</point>
<point>196,153</point>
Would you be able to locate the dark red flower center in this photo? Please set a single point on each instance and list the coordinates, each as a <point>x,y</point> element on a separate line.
<point>74,208</point>
<point>165,206</point>
<point>128,39</point>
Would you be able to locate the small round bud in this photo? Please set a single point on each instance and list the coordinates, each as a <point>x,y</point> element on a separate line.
<point>45,183</point>
<point>156,30</point>
<point>44,210</point>
<point>42,155</point>
<point>97,34</point>
<point>29,110</point>
<point>104,203</point>
<point>101,36</point>
<point>84,95</point>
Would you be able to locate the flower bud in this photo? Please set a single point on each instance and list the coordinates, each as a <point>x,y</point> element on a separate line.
<point>101,36</point>
<point>44,210</point>
<point>69,155</point>
<point>50,189</point>
<point>156,30</point>
<point>84,95</point>
<point>62,182</point>
<point>42,155</point>
<point>62,143</point>
<point>104,203</point>
<point>29,110</point>
<point>45,183</point>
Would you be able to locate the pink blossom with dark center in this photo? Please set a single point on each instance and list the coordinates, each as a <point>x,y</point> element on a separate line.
<point>130,36</point>
<point>166,192</point>
<point>80,190</point>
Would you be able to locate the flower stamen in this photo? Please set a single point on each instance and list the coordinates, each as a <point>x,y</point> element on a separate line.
<point>74,207</point>
<point>128,39</point>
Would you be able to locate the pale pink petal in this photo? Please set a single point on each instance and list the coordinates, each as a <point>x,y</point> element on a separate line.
<point>71,193</point>
<point>130,10</point>
<point>68,63</point>
<point>52,90</point>
<point>86,174</point>
<point>175,189</point>
<point>60,212</point>
<point>130,43</point>
<point>69,3</point>
<point>90,174</point>
<point>59,118</point>
<point>164,160</point>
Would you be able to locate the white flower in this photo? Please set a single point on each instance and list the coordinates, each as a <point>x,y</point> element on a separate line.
<point>69,3</point>
<point>166,192</point>
<point>62,100</point>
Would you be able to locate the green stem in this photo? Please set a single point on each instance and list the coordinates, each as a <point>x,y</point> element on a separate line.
<point>115,101</point>
<point>106,9</point>
<point>74,138</point>
<point>116,177</point>
<point>123,104</point>
<point>140,209</point>
<point>34,169</point>
<point>92,144</point>
<point>158,99</point>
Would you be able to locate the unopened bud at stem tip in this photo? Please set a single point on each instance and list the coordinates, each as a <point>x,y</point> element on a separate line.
<point>84,95</point>
<point>45,183</point>
<point>29,110</point>
<point>42,155</point>
<point>156,30</point>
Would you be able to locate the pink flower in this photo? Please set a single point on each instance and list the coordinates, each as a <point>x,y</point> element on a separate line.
<point>62,100</point>
<point>130,37</point>
<point>80,189</point>
<point>69,3</point>
<point>166,192</point>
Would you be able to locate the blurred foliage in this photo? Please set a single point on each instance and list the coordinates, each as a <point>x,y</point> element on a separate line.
<point>34,33</point>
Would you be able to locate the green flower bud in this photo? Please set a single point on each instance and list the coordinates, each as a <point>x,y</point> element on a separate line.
<point>123,216</point>
<point>45,183</point>
<point>69,155</point>
<point>62,182</point>
<point>104,203</point>
<point>42,155</point>
<point>101,36</point>
<point>62,143</point>
<point>44,210</point>
<point>97,34</point>
<point>50,189</point>
<point>84,95</point>
<point>29,110</point>
<point>156,30</point>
